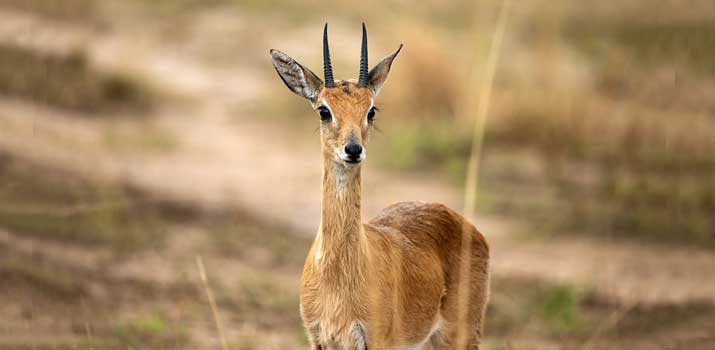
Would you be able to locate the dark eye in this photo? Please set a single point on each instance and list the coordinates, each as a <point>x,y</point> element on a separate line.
<point>371,115</point>
<point>324,114</point>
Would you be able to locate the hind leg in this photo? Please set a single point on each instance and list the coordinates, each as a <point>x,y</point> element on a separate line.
<point>449,336</point>
<point>454,336</point>
<point>447,339</point>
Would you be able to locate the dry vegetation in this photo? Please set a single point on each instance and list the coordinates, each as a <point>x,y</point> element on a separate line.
<point>74,84</point>
<point>89,248</point>
<point>627,147</point>
<point>116,306</point>
<point>56,9</point>
<point>62,207</point>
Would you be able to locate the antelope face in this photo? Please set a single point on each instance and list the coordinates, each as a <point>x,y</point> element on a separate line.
<point>346,116</point>
<point>346,109</point>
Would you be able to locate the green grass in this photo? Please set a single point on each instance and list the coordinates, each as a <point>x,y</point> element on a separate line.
<point>150,330</point>
<point>537,307</point>
<point>560,308</point>
<point>68,81</point>
<point>423,146</point>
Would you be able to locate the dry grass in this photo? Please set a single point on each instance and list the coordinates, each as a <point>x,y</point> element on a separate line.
<point>625,146</point>
<point>113,307</point>
<point>49,283</point>
<point>482,109</point>
<point>212,302</point>
<point>687,43</point>
<point>56,9</point>
<point>41,201</point>
<point>648,178</point>
<point>67,81</point>
<point>578,318</point>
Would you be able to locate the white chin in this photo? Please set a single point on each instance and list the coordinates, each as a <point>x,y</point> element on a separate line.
<point>349,163</point>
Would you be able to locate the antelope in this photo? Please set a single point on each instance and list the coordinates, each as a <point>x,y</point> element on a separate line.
<point>393,282</point>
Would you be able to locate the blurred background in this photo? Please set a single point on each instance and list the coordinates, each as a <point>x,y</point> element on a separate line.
<point>138,135</point>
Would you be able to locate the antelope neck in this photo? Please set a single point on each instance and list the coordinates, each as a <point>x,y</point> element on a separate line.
<point>340,238</point>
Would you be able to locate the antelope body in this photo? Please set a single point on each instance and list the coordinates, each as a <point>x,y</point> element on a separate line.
<point>394,282</point>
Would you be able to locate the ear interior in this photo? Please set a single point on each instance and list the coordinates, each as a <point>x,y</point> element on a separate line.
<point>379,73</point>
<point>297,78</point>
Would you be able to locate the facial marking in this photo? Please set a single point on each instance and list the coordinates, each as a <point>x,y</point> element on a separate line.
<point>319,246</point>
<point>346,87</point>
<point>342,181</point>
<point>324,103</point>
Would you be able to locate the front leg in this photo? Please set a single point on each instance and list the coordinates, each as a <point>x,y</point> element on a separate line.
<point>360,337</point>
<point>314,345</point>
<point>313,332</point>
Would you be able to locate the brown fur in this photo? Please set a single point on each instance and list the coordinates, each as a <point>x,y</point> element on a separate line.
<point>394,276</point>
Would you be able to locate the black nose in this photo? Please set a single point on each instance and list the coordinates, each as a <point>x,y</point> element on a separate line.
<point>353,150</point>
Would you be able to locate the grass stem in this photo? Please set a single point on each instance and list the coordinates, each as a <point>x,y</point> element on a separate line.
<point>485,93</point>
<point>463,332</point>
<point>212,302</point>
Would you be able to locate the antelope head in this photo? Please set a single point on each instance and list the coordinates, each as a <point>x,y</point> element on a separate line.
<point>346,107</point>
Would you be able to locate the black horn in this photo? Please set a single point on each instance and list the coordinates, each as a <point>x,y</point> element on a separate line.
<point>362,80</point>
<point>327,67</point>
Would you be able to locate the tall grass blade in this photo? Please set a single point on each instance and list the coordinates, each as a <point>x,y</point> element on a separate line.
<point>212,302</point>
<point>464,333</point>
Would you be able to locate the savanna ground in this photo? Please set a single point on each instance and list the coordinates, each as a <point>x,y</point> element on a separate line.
<point>137,136</point>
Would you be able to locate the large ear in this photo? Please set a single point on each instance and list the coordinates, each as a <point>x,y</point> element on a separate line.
<point>299,79</point>
<point>378,74</point>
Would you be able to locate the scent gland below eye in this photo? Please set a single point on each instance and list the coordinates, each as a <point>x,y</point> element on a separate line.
<point>324,114</point>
